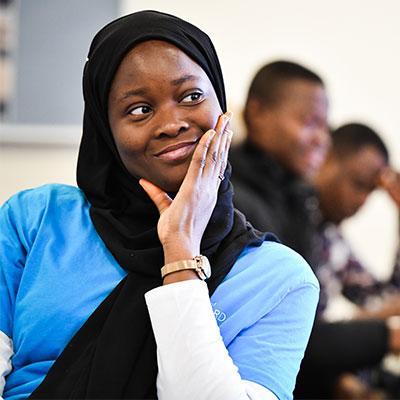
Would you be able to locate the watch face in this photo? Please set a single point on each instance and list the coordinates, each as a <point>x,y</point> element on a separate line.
<point>206,266</point>
<point>203,267</point>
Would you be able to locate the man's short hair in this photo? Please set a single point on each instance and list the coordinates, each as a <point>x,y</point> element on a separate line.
<point>269,80</point>
<point>352,137</point>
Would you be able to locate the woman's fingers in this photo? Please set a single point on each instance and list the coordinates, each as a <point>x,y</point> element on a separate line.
<point>223,122</point>
<point>157,195</point>
<point>218,175</point>
<point>217,153</point>
<point>199,156</point>
<point>227,143</point>
<point>210,157</point>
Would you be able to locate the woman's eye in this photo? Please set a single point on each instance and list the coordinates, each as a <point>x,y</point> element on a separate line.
<point>140,110</point>
<point>192,97</point>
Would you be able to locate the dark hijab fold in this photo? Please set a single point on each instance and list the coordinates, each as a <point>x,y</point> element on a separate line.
<point>113,355</point>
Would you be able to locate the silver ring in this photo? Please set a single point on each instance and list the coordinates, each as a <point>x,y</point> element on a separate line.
<point>221,176</point>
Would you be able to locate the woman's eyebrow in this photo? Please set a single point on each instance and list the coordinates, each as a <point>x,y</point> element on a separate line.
<point>142,91</point>
<point>133,92</point>
<point>183,79</point>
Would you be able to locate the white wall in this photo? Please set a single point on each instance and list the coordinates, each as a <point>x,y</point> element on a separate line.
<point>353,44</point>
<point>25,167</point>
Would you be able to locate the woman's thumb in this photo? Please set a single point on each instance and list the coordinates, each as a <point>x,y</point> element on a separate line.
<point>157,195</point>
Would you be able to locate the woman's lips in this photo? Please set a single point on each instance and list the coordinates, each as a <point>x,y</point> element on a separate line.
<point>177,153</point>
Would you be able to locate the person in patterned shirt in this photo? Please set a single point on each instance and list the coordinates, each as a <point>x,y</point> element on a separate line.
<point>356,165</point>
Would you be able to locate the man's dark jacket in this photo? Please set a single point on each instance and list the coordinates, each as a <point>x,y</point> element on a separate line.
<point>275,200</point>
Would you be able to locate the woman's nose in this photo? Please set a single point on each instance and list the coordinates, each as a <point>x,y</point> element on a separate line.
<point>170,123</point>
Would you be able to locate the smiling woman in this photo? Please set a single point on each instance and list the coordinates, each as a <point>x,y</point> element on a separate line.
<point>102,286</point>
<point>161,103</point>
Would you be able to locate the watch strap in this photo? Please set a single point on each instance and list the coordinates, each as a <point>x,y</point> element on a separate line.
<point>182,265</point>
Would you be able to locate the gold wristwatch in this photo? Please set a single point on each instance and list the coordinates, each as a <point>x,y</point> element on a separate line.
<point>199,264</point>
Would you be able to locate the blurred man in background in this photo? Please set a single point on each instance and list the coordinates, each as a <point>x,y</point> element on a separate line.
<point>287,139</point>
<point>356,165</point>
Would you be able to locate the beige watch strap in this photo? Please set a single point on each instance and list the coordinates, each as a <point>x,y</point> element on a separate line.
<point>178,266</point>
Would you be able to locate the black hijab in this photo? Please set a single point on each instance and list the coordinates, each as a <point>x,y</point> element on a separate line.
<point>113,355</point>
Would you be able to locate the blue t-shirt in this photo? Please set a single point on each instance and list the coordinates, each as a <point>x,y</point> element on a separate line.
<point>55,270</point>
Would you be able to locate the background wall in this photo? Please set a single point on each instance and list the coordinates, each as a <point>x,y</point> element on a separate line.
<point>54,38</point>
<point>40,130</point>
<point>353,44</point>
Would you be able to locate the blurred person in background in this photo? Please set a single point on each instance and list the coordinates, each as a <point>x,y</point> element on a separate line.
<point>287,139</point>
<point>273,170</point>
<point>356,165</point>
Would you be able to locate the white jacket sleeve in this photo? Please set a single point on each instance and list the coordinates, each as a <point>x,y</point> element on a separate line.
<point>193,361</point>
<point>6,352</point>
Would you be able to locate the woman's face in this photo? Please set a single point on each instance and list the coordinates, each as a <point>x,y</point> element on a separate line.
<point>160,104</point>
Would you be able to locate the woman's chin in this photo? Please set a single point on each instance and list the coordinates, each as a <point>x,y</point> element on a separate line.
<point>169,185</point>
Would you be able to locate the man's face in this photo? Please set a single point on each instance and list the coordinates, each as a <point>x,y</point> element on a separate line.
<point>296,127</point>
<point>351,179</point>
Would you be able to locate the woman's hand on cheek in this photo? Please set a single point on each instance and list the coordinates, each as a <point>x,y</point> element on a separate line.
<point>184,219</point>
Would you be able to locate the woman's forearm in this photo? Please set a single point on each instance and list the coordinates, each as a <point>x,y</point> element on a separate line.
<point>193,361</point>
